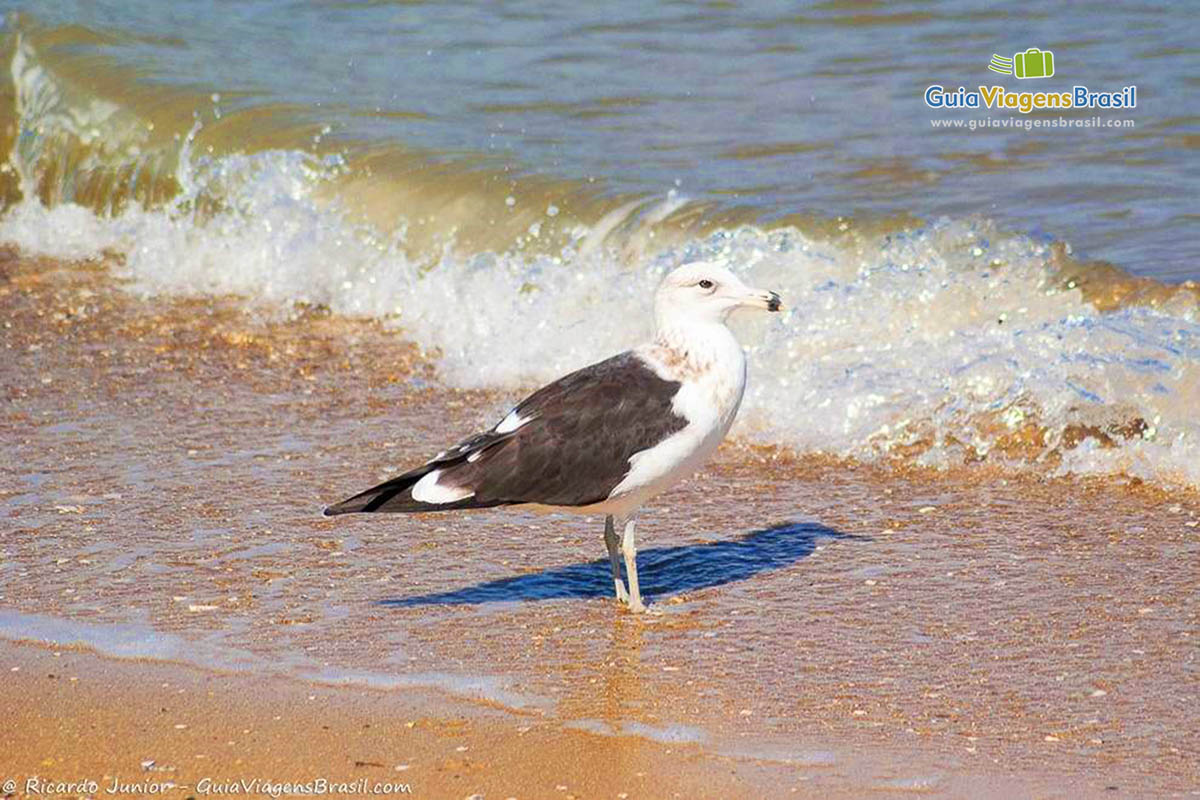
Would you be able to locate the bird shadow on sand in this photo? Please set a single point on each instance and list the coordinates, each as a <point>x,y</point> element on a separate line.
<point>661,570</point>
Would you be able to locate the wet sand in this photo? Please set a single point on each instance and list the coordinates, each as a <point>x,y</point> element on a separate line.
<point>156,729</point>
<point>823,626</point>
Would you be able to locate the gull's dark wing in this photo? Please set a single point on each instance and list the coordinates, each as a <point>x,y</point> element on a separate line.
<point>572,450</point>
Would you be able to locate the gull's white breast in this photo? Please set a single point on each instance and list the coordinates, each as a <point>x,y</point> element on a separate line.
<point>708,398</point>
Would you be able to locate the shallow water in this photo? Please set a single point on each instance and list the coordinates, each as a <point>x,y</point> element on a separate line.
<point>165,463</point>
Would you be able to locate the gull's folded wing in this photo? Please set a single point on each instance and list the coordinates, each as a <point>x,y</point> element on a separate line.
<point>567,444</point>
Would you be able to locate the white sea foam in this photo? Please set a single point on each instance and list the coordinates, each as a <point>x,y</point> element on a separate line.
<point>135,640</point>
<point>941,344</point>
<point>139,640</point>
<point>478,687</point>
<point>667,734</point>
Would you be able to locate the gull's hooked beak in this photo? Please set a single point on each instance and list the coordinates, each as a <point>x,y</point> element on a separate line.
<point>757,298</point>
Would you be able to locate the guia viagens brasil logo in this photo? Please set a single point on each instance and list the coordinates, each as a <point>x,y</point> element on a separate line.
<point>1030,64</point>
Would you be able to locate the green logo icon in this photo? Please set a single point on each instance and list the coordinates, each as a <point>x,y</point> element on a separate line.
<point>1033,63</point>
<point>1001,64</point>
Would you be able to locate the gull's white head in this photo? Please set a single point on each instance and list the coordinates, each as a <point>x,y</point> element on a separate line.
<point>706,292</point>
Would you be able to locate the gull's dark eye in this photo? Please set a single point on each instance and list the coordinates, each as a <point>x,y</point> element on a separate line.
<point>705,284</point>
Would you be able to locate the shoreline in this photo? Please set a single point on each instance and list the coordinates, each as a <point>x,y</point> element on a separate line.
<point>139,728</point>
<point>176,726</point>
<point>945,633</point>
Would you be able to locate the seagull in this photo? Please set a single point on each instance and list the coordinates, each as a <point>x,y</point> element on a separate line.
<point>607,438</point>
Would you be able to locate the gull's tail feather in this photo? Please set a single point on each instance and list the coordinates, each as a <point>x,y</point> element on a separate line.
<point>396,496</point>
<point>392,495</point>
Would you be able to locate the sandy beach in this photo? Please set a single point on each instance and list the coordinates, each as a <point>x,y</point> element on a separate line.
<point>822,627</point>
